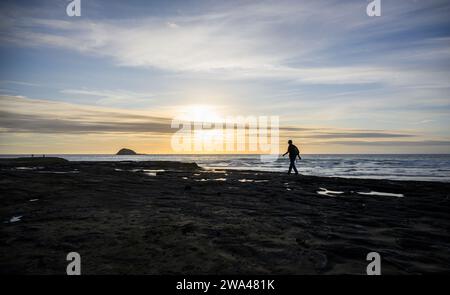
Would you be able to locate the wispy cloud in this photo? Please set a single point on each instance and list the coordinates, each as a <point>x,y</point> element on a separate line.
<point>255,41</point>
<point>394,143</point>
<point>22,83</point>
<point>333,135</point>
<point>23,115</point>
<point>112,97</point>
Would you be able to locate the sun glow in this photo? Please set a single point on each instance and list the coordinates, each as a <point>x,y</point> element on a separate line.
<point>207,116</point>
<point>200,113</point>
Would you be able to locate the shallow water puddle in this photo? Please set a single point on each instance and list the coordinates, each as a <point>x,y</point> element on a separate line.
<point>27,168</point>
<point>152,172</point>
<point>14,219</point>
<point>59,172</point>
<point>286,185</point>
<point>325,192</point>
<point>245,180</point>
<point>212,179</point>
<point>373,193</point>
<point>214,171</point>
<point>253,180</point>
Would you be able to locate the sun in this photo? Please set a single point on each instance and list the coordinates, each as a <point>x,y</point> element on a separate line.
<point>200,113</point>
<point>207,130</point>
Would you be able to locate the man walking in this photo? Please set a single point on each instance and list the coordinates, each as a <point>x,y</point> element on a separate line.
<point>293,153</point>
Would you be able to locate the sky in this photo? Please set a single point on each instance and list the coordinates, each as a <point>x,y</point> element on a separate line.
<point>116,76</point>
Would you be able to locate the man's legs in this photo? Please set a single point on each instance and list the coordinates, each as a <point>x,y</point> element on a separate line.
<point>292,165</point>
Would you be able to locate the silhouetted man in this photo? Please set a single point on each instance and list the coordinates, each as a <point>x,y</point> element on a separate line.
<point>293,153</point>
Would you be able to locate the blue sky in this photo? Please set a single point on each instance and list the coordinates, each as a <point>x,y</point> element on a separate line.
<point>349,82</point>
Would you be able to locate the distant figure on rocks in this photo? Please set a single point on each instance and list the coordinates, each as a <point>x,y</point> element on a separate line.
<point>293,152</point>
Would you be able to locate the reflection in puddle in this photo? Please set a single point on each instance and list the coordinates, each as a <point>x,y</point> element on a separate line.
<point>253,180</point>
<point>373,193</point>
<point>27,168</point>
<point>14,219</point>
<point>212,179</point>
<point>59,172</point>
<point>149,172</point>
<point>214,171</point>
<point>325,192</point>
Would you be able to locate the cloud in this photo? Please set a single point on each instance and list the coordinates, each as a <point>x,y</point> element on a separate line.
<point>332,135</point>
<point>21,83</point>
<point>393,143</point>
<point>306,42</point>
<point>20,123</point>
<point>22,115</point>
<point>112,97</point>
<point>335,133</point>
<point>172,25</point>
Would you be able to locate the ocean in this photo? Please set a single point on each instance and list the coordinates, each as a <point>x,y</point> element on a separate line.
<point>395,167</point>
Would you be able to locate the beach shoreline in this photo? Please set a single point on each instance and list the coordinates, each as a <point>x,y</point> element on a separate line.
<point>415,167</point>
<point>177,218</point>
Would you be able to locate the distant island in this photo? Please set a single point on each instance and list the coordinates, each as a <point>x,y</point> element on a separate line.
<point>126,152</point>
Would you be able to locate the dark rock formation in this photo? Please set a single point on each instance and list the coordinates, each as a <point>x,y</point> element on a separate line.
<point>126,152</point>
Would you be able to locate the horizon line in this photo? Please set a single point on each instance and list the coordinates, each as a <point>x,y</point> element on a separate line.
<point>37,155</point>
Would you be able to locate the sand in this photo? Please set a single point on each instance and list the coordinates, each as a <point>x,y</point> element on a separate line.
<point>174,218</point>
